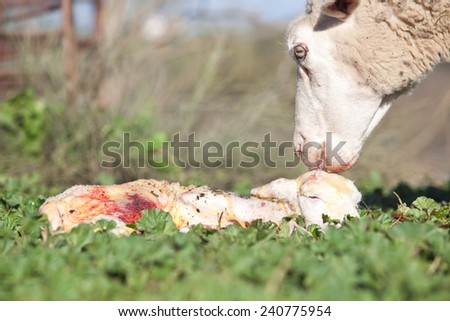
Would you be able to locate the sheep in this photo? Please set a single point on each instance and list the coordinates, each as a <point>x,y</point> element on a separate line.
<point>354,58</point>
<point>310,195</point>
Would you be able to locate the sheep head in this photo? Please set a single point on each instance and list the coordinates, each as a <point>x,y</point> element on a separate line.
<point>320,193</point>
<point>353,59</point>
<point>313,194</point>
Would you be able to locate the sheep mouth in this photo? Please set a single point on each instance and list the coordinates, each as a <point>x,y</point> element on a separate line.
<point>334,167</point>
<point>338,168</point>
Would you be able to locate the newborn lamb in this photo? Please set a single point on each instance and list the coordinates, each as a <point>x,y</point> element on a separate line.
<point>310,195</point>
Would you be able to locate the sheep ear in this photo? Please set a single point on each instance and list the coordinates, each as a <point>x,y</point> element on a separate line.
<point>340,9</point>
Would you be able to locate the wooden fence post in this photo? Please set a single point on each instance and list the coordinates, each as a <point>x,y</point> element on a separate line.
<point>69,51</point>
<point>99,17</point>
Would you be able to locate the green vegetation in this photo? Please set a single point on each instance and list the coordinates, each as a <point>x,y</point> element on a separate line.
<point>400,254</point>
<point>37,137</point>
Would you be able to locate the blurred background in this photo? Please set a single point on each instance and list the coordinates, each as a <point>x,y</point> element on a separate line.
<point>75,74</point>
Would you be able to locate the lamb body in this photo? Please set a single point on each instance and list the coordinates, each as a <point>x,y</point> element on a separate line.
<point>311,195</point>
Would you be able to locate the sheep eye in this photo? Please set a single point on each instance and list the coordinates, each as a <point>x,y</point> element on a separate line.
<point>300,52</point>
<point>312,197</point>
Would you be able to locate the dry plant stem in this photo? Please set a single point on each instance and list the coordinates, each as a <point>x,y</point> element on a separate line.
<point>99,19</point>
<point>279,274</point>
<point>444,15</point>
<point>434,266</point>
<point>204,84</point>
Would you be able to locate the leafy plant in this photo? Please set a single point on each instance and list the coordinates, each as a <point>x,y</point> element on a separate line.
<point>22,122</point>
<point>379,257</point>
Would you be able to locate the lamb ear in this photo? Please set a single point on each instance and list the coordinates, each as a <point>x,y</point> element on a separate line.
<point>340,9</point>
